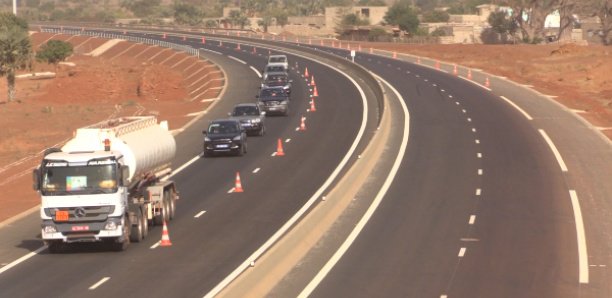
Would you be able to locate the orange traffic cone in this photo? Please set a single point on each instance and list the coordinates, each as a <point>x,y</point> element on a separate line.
<point>313,108</point>
<point>164,37</point>
<point>124,32</point>
<point>279,148</point>
<point>321,42</point>
<point>394,55</point>
<point>359,47</point>
<point>469,76</point>
<point>184,38</point>
<point>220,43</point>
<point>203,40</point>
<point>306,72</point>
<point>254,50</point>
<point>487,83</point>
<point>333,44</point>
<point>418,60</point>
<point>165,240</point>
<point>312,81</point>
<point>238,47</point>
<point>348,46</point>
<point>303,124</point>
<point>315,92</point>
<point>310,41</point>
<point>455,69</point>
<point>437,65</point>
<point>238,187</point>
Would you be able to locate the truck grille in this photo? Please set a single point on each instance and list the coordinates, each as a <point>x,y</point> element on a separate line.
<point>79,214</point>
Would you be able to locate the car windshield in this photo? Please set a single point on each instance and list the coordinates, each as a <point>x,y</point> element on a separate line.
<point>276,78</point>
<point>274,68</point>
<point>277,59</point>
<point>83,179</point>
<point>277,92</point>
<point>245,111</point>
<point>222,128</point>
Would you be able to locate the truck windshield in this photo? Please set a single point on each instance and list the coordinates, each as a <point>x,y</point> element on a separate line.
<point>91,179</point>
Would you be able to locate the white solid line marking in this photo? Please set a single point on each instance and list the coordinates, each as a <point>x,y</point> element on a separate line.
<point>554,150</point>
<point>154,246</point>
<point>209,99</point>
<point>256,71</point>
<point>479,172</point>
<point>377,200</point>
<point>99,283</point>
<point>256,170</point>
<point>479,155</point>
<point>472,219</point>
<point>236,59</point>
<point>462,252</point>
<point>207,50</point>
<point>314,198</point>
<point>478,191</point>
<point>583,260</point>
<point>476,83</point>
<point>517,107</point>
<point>477,141</point>
<point>22,259</point>
<point>443,296</point>
<point>199,214</point>
<point>181,168</point>
<point>231,190</point>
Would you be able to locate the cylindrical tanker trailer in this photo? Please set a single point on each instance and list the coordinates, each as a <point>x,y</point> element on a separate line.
<point>107,184</point>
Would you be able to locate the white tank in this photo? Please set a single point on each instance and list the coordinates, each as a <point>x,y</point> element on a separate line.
<point>146,146</point>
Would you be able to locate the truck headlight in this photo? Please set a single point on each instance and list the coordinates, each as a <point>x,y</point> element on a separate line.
<point>50,229</point>
<point>111,225</point>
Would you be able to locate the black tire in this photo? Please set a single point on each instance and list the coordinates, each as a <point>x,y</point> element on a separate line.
<point>166,204</point>
<point>145,223</point>
<point>172,205</point>
<point>136,233</point>
<point>206,153</point>
<point>159,219</point>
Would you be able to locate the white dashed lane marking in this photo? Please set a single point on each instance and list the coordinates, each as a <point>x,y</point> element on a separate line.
<point>462,252</point>
<point>472,219</point>
<point>96,285</point>
<point>199,214</point>
<point>256,170</point>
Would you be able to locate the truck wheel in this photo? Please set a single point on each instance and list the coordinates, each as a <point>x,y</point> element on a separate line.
<point>145,224</point>
<point>166,203</point>
<point>159,219</point>
<point>127,227</point>
<point>172,202</point>
<point>136,234</point>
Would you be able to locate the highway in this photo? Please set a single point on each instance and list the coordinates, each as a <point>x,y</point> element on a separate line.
<point>484,203</point>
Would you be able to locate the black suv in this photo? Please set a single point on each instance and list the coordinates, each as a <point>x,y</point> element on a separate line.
<point>274,100</point>
<point>276,79</point>
<point>225,136</point>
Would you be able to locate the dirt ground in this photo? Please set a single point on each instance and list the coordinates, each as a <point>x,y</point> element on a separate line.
<point>47,111</point>
<point>133,79</point>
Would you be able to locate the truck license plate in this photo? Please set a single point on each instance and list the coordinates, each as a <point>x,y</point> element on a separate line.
<point>80,228</point>
<point>61,215</point>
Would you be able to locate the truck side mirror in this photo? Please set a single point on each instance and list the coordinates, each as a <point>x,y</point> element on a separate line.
<point>125,175</point>
<point>36,179</point>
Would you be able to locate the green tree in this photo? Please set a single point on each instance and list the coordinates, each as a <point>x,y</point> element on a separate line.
<point>15,49</point>
<point>401,14</point>
<point>54,51</point>
<point>237,18</point>
<point>352,19</point>
<point>266,20</point>
<point>187,14</point>
<point>435,16</point>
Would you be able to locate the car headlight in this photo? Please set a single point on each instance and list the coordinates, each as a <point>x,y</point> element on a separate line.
<point>206,139</point>
<point>236,138</point>
<point>111,225</point>
<point>256,120</point>
<point>50,229</point>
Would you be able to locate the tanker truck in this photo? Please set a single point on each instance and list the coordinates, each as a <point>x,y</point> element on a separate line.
<point>107,184</point>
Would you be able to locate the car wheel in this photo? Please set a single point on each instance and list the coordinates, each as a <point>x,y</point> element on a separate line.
<point>207,153</point>
<point>262,130</point>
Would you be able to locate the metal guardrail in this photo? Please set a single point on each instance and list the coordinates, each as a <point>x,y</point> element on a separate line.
<point>182,48</point>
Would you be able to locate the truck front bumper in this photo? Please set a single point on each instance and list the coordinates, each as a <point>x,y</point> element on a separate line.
<point>82,231</point>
